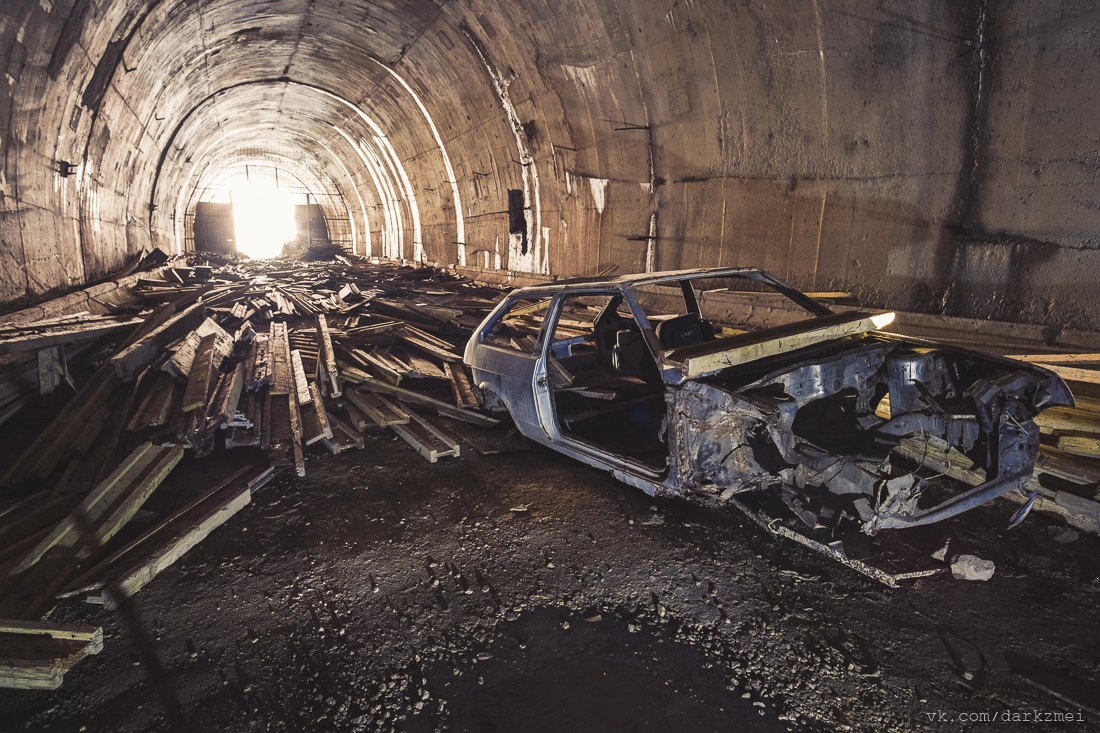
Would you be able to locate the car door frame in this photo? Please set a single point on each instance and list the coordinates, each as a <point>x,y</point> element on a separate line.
<point>542,390</point>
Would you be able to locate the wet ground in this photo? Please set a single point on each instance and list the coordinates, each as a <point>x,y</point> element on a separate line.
<point>385,593</point>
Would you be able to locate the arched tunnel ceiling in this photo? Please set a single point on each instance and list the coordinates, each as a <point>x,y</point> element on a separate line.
<point>929,156</point>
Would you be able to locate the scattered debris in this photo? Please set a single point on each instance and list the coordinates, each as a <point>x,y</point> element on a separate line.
<point>969,567</point>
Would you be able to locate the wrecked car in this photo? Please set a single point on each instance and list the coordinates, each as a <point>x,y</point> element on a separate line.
<point>659,379</point>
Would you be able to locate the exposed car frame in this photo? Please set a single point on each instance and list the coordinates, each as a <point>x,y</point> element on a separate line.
<point>740,410</point>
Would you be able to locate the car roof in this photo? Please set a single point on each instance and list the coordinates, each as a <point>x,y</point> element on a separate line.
<point>640,278</point>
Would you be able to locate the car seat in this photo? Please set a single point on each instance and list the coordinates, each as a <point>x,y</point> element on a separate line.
<point>684,330</point>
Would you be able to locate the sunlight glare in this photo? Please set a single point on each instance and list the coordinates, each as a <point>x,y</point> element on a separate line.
<point>263,216</point>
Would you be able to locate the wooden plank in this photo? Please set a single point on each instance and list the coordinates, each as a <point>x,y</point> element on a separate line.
<point>427,348</point>
<point>260,373</point>
<point>384,368</point>
<point>181,361</point>
<point>380,410</point>
<point>137,356</point>
<point>368,382</point>
<point>460,385</point>
<point>279,350</point>
<point>23,524</point>
<point>128,570</point>
<point>49,376</point>
<point>713,356</point>
<point>327,357</point>
<point>36,656</point>
<point>109,492</point>
<point>426,438</point>
<point>202,371</point>
<point>1058,418</point>
<point>1078,445</point>
<point>356,418</point>
<point>1085,376</point>
<point>78,538</point>
<point>322,414</point>
<point>296,436</point>
<point>52,337</point>
<point>1069,360</point>
<point>423,368</point>
<point>228,400</point>
<point>301,386</point>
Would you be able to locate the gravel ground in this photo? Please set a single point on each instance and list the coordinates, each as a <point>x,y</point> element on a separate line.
<point>385,593</point>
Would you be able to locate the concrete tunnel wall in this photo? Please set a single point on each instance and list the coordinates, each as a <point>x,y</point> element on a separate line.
<point>926,155</point>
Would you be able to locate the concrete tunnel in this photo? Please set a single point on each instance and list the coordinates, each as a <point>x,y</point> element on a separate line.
<point>929,157</point>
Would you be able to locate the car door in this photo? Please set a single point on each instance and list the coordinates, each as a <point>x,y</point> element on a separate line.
<point>503,357</point>
<point>542,389</point>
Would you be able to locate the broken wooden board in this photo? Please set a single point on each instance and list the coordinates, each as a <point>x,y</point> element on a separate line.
<point>156,408</point>
<point>380,410</point>
<point>344,437</point>
<point>103,512</point>
<point>301,386</point>
<point>368,382</point>
<point>76,539</point>
<point>711,357</point>
<point>315,420</point>
<point>127,571</point>
<point>428,440</point>
<point>51,336</point>
<point>327,357</point>
<point>1079,445</point>
<point>136,356</point>
<point>278,350</point>
<point>36,656</point>
<point>460,385</point>
<point>202,373</point>
<point>179,364</point>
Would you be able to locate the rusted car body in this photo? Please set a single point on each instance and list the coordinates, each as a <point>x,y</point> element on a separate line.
<point>634,375</point>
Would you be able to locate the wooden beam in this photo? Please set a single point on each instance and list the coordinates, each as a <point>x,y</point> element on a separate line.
<point>51,337</point>
<point>137,356</point>
<point>202,371</point>
<point>127,571</point>
<point>380,410</point>
<point>460,385</point>
<point>429,441</point>
<point>713,356</point>
<point>327,357</point>
<point>36,656</point>
<point>368,382</point>
<point>301,386</point>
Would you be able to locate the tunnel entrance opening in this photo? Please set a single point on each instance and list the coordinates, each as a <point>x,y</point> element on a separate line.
<point>263,217</point>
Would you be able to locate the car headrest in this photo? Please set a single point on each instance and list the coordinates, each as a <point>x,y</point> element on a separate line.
<point>682,330</point>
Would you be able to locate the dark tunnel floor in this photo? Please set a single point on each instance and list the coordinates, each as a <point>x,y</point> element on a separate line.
<point>385,593</point>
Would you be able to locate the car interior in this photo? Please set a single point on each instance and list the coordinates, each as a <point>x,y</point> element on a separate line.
<point>607,386</point>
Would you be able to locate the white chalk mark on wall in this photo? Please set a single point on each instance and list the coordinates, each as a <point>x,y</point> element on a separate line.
<point>599,192</point>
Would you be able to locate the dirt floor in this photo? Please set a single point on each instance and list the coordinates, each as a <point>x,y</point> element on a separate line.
<point>385,593</point>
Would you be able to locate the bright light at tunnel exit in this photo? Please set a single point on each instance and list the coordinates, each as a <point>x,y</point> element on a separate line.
<point>263,217</point>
